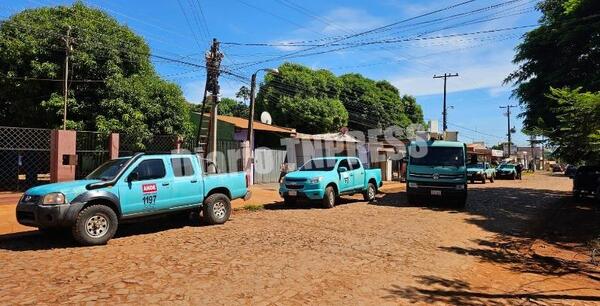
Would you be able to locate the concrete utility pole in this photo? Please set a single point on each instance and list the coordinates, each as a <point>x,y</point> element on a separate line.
<point>508,107</point>
<point>213,69</point>
<point>445,111</point>
<point>68,48</point>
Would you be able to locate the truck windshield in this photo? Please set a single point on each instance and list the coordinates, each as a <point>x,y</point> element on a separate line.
<point>439,156</point>
<point>326,164</point>
<point>478,165</point>
<point>108,170</point>
<point>506,167</point>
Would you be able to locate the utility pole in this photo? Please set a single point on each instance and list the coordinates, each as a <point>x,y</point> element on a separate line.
<point>68,48</point>
<point>445,111</point>
<point>213,70</point>
<point>508,107</point>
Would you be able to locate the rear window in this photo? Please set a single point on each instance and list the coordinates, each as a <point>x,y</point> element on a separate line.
<point>182,166</point>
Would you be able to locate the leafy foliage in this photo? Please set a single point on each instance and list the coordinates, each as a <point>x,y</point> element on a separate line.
<point>114,87</point>
<point>332,102</point>
<point>231,107</point>
<point>576,142</point>
<point>563,52</point>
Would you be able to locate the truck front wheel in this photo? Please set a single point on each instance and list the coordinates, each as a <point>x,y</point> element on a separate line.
<point>95,225</point>
<point>216,209</point>
<point>329,197</point>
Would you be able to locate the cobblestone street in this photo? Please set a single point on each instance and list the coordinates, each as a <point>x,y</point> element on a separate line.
<point>507,247</point>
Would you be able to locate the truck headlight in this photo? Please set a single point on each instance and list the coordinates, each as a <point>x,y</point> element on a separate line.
<point>413,185</point>
<point>54,198</point>
<point>315,180</point>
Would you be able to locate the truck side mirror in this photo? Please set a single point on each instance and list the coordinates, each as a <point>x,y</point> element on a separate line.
<point>342,169</point>
<point>133,176</point>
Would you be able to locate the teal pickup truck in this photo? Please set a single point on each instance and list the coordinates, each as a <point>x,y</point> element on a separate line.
<point>327,178</point>
<point>437,170</point>
<point>129,188</point>
<point>481,171</point>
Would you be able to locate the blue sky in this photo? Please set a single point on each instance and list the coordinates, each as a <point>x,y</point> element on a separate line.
<point>183,29</point>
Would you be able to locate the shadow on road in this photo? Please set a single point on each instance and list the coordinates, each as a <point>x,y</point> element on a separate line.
<point>457,292</point>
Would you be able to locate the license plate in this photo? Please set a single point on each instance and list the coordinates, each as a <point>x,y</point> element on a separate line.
<point>436,192</point>
<point>292,193</point>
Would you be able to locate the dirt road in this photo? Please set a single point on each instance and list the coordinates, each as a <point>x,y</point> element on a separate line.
<point>517,242</point>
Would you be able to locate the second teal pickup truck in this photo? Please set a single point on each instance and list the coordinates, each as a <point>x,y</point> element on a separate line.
<point>129,188</point>
<point>327,178</point>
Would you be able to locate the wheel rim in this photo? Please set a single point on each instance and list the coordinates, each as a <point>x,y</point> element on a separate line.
<point>371,192</point>
<point>219,210</point>
<point>97,226</point>
<point>331,198</point>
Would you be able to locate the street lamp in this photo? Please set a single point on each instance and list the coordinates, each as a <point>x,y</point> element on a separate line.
<point>251,116</point>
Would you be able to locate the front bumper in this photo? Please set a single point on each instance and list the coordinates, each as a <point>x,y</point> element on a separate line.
<point>47,216</point>
<point>312,193</point>
<point>474,175</point>
<point>438,190</point>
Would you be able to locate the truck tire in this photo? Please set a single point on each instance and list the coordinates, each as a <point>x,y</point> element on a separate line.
<point>472,181</point>
<point>329,197</point>
<point>484,179</point>
<point>492,178</point>
<point>514,176</point>
<point>216,209</point>
<point>369,194</point>
<point>95,225</point>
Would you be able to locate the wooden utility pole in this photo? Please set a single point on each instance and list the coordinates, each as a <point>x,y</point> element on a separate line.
<point>213,70</point>
<point>445,111</point>
<point>509,130</point>
<point>68,48</point>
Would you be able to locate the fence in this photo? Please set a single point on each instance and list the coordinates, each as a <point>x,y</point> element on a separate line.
<point>91,150</point>
<point>24,157</point>
<point>267,165</point>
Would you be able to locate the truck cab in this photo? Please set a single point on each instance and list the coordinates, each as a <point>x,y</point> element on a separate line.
<point>437,171</point>
<point>128,188</point>
<point>325,179</point>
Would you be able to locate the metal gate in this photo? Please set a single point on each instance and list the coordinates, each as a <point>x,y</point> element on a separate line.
<point>267,165</point>
<point>91,150</point>
<point>24,158</point>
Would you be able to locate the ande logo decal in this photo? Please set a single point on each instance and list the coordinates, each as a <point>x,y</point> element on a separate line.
<point>149,188</point>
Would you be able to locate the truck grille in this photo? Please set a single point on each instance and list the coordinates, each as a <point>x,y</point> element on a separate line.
<point>30,199</point>
<point>293,179</point>
<point>440,176</point>
<point>293,186</point>
<point>25,215</point>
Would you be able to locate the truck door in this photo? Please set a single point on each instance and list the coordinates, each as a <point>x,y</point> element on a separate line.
<point>358,174</point>
<point>346,183</point>
<point>146,187</point>
<point>187,187</point>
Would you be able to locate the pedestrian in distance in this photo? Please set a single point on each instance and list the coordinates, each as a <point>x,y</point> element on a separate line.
<point>519,168</point>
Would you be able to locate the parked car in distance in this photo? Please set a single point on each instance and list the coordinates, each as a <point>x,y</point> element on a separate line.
<point>129,188</point>
<point>480,171</point>
<point>556,168</point>
<point>327,178</point>
<point>570,171</point>
<point>587,182</point>
<point>507,171</point>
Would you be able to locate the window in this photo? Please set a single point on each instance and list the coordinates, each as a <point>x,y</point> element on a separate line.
<point>344,163</point>
<point>355,164</point>
<point>182,167</point>
<point>151,169</point>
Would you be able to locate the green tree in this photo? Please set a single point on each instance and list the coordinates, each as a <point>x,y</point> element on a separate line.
<point>231,107</point>
<point>367,103</point>
<point>563,52</point>
<point>113,84</point>
<point>576,142</point>
<point>298,94</point>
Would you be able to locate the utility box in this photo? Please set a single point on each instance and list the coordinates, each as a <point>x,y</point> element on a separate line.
<point>451,136</point>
